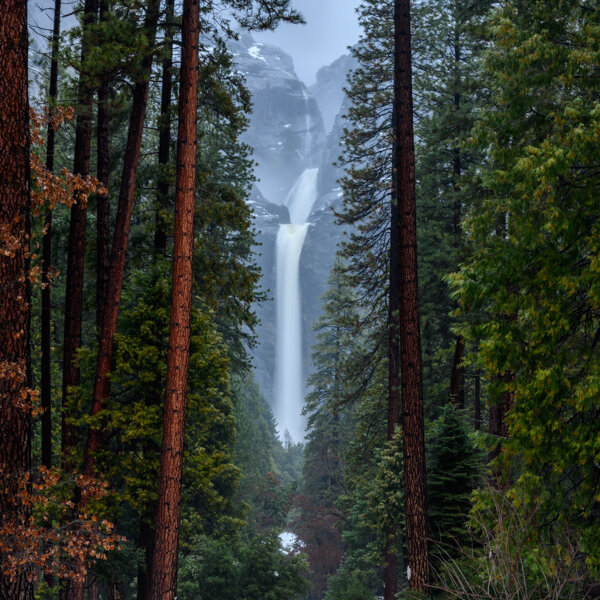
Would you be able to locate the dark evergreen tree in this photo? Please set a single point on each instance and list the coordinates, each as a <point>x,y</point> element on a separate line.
<point>531,278</point>
<point>453,469</point>
<point>328,434</point>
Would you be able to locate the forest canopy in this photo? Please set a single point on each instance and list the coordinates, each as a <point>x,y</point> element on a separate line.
<point>165,177</point>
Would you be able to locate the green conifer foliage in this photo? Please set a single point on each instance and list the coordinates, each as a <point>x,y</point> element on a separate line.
<point>329,431</point>
<point>447,94</point>
<point>533,277</point>
<point>136,413</point>
<point>452,474</point>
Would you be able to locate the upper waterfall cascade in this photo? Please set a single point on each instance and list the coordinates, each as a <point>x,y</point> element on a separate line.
<point>289,379</point>
<point>302,196</point>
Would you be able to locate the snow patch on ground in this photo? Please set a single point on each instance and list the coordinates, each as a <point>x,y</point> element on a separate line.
<point>288,541</point>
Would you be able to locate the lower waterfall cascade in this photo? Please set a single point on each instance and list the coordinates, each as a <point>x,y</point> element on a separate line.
<point>289,376</point>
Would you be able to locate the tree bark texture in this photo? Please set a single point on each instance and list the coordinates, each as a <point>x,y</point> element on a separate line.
<point>46,342</point>
<point>15,421</point>
<point>77,234</point>
<point>410,339</point>
<point>103,202</point>
<point>121,235</point>
<point>164,567</point>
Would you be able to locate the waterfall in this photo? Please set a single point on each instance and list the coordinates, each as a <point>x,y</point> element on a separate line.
<point>307,136</point>
<point>289,381</point>
<point>302,196</point>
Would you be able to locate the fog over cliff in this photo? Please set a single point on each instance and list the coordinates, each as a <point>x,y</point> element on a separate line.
<point>294,130</point>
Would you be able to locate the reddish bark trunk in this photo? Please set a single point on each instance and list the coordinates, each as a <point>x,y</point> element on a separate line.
<point>46,308</point>
<point>119,248</point>
<point>76,249</point>
<point>164,567</point>
<point>46,378</point>
<point>15,425</point>
<point>410,339</point>
<point>76,261</point>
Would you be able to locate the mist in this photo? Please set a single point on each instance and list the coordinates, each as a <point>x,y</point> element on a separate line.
<point>331,26</point>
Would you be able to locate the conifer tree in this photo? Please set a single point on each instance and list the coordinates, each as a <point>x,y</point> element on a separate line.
<point>452,474</point>
<point>404,199</point>
<point>328,434</point>
<point>164,566</point>
<point>532,277</point>
<point>120,238</point>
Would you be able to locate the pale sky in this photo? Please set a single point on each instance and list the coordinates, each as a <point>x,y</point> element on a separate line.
<point>331,26</point>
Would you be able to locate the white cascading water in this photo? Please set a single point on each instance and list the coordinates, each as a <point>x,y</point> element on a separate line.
<point>307,135</point>
<point>289,383</point>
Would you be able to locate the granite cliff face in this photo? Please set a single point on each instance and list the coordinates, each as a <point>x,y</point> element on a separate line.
<point>288,136</point>
<point>286,128</point>
<point>328,90</point>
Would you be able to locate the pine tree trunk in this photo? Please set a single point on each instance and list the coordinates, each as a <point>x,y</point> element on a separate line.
<point>46,342</point>
<point>121,235</point>
<point>103,203</point>
<point>410,339</point>
<point>76,248</point>
<point>164,567</point>
<point>15,424</point>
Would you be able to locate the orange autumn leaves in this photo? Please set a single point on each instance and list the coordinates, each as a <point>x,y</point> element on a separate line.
<point>45,533</point>
<point>55,539</point>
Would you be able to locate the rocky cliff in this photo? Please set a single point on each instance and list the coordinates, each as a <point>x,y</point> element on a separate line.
<point>287,133</point>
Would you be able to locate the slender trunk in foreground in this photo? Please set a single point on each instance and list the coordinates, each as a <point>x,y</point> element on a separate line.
<point>164,567</point>
<point>410,339</point>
